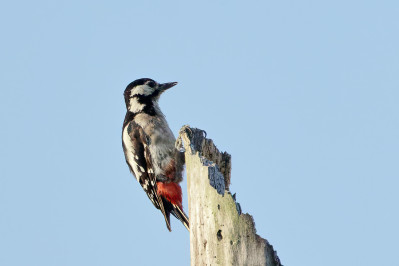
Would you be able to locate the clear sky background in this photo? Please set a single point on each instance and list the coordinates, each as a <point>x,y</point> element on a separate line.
<point>303,94</point>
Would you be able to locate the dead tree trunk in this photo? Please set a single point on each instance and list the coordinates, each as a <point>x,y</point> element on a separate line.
<point>219,233</point>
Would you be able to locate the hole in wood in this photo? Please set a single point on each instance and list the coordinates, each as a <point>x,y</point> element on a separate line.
<point>219,235</point>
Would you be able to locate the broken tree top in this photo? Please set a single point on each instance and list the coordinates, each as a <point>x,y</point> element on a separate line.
<point>219,233</point>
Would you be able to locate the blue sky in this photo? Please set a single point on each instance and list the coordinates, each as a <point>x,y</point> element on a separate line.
<point>303,94</point>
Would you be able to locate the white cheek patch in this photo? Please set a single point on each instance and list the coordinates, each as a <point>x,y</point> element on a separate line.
<point>142,90</point>
<point>135,106</point>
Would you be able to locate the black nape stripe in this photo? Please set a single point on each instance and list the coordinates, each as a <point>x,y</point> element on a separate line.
<point>147,101</point>
<point>148,108</point>
<point>142,97</point>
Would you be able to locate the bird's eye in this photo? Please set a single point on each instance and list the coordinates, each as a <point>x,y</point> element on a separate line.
<point>151,84</point>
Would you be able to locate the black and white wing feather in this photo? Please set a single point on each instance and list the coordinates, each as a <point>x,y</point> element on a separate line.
<point>138,157</point>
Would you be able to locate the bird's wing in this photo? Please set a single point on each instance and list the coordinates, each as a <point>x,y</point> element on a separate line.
<point>145,168</point>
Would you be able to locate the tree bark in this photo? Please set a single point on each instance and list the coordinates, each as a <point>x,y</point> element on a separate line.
<point>219,233</point>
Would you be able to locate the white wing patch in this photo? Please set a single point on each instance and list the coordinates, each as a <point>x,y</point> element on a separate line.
<point>145,185</point>
<point>130,152</point>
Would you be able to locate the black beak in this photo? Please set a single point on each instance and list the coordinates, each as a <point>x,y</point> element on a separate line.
<point>165,86</point>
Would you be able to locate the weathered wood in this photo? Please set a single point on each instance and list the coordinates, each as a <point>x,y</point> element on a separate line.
<point>219,233</point>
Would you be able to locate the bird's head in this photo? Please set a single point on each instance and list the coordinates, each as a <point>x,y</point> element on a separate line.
<point>143,92</point>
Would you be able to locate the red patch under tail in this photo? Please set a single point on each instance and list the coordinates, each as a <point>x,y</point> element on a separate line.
<point>171,191</point>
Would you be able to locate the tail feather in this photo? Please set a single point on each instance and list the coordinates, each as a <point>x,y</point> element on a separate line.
<point>177,212</point>
<point>167,220</point>
<point>182,216</point>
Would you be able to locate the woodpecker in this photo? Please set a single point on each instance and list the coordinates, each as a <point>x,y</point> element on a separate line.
<point>149,147</point>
